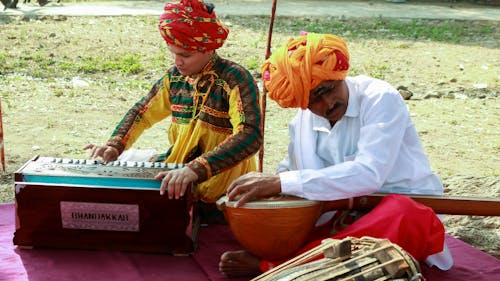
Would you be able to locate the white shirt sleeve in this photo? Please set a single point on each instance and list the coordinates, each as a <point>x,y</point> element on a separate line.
<point>383,119</point>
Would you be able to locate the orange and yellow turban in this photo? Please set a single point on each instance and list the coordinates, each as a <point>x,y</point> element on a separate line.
<point>296,68</point>
<point>192,25</point>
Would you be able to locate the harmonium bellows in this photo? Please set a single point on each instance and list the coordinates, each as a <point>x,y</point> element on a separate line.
<point>86,204</point>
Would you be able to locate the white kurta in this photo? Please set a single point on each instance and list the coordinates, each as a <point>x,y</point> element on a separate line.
<point>373,148</point>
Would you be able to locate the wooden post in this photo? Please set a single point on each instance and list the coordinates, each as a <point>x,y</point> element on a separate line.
<point>264,91</point>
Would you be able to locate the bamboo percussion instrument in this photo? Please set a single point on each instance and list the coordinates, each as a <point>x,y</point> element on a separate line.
<point>351,258</point>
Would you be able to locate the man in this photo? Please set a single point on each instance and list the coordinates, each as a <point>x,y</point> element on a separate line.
<point>352,136</point>
<point>213,102</point>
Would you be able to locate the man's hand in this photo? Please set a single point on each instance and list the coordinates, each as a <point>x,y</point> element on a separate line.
<point>175,182</point>
<point>253,186</point>
<point>106,152</point>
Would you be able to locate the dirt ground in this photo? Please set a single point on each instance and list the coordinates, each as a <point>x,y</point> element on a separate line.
<point>55,111</point>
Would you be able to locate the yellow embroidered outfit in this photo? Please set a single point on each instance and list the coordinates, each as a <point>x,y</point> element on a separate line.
<point>215,126</point>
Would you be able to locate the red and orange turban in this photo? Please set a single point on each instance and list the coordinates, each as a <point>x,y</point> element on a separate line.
<point>296,68</point>
<point>192,25</point>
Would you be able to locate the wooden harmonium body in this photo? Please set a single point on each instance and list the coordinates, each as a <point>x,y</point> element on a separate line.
<point>85,204</point>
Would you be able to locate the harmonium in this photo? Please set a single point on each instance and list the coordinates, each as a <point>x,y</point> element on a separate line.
<point>86,204</point>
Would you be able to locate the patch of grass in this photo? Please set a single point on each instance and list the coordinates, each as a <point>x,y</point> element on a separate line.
<point>378,70</point>
<point>49,57</point>
<point>128,64</point>
<point>252,63</point>
<point>450,31</point>
<point>4,67</point>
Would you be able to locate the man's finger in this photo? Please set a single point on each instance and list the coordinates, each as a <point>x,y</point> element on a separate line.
<point>247,197</point>
<point>88,146</point>
<point>164,182</point>
<point>160,175</point>
<point>171,189</point>
<point>93,152</point>
<point>239,189</point>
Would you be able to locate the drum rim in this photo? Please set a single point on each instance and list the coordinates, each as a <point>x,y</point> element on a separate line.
<point>289,202</point>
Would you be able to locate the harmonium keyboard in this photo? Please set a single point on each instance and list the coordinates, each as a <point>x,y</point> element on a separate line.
<point>86,204</point>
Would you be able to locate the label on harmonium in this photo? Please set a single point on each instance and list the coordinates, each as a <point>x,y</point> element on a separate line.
<point>100,216</point>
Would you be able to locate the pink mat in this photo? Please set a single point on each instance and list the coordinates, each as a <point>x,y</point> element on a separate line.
<point>75,265</point>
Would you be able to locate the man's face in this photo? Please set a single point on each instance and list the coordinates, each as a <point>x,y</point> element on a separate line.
<point>329,100</point>
<point>189,62</point>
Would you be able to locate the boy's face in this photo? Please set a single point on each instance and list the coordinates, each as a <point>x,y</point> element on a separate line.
<point>329,100</point>
<point>189,62</point>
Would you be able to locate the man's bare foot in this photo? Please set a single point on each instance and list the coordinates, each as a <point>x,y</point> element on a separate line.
<point>239,264</point>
